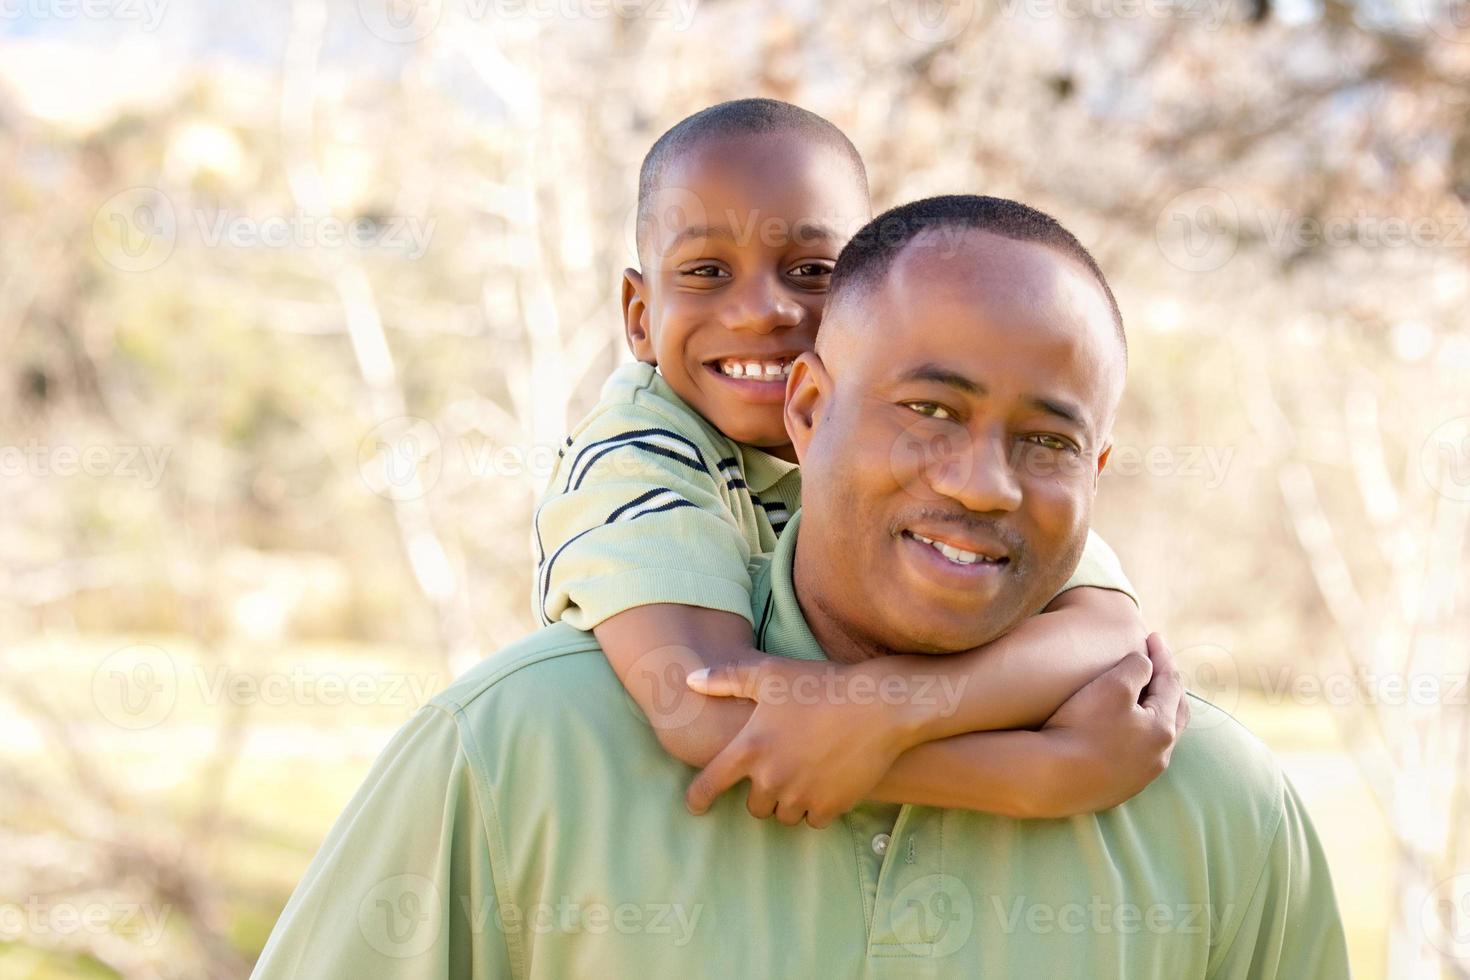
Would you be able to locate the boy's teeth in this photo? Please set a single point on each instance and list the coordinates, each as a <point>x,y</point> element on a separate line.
<point>957,555</point>
<point>765,370</point>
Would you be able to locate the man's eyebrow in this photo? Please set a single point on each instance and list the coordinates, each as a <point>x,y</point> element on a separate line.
<point>952,378</point>
<point>944,376</point>
<point>1063,410</point>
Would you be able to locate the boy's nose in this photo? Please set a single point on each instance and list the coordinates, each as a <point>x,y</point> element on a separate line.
<point>765,312</point>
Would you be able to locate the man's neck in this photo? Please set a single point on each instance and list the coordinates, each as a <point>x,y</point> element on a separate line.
<point>837,641</point>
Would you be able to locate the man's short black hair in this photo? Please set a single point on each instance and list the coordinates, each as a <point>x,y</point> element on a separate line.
<point>871,252</point>
<point>740,117</point>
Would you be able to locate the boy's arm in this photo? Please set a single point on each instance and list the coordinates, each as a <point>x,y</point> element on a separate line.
<point>654,648</point>
<point>1101,747</point>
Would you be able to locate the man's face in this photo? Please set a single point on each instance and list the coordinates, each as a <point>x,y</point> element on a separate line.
<point>951,434</point>
<point>737,259</point>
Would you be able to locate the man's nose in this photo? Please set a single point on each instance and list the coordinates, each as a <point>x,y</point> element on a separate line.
<point>763,309</point>
<point>977,474</point>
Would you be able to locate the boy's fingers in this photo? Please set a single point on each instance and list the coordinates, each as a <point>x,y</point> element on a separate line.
<point>739,679</point>
<point>724,771</point>
<point>1131,674</point>
<point>1165,690</point>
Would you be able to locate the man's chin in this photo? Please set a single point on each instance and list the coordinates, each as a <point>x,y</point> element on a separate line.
<point>938,629</point>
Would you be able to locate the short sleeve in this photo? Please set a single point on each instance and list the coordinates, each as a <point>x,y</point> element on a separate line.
<point>1290,928</point>
<point>637,514</point>
<point>403,886</point>
<point>1100,568</point>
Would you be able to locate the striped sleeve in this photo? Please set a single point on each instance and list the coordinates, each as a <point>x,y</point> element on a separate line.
<point>637,513</point>
<point>1100,568</point>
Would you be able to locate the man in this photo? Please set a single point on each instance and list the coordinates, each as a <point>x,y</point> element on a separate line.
<point>527,823</point>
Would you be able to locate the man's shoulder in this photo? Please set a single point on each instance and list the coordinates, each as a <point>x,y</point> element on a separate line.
<point>552,655</point>
<point>1226,775</point>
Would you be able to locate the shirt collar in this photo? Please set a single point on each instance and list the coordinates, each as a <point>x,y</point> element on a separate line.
<point>780,628</point>
<point>762,470</point>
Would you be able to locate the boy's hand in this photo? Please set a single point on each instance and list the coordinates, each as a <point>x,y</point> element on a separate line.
<point>1115,736</point>
<point>812,750</point>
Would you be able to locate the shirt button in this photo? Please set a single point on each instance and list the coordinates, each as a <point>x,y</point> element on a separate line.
<point>880,844</point>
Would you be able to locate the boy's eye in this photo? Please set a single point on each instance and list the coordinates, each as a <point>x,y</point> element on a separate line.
<point>706,272</point>
<point>812,270</point>
<point>931,410</point>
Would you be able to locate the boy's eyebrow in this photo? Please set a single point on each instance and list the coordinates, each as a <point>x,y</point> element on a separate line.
<point>804,231</point>
<point>952,378</point>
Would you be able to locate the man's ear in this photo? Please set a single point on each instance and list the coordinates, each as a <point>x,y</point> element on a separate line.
<point>806,395</point>
<point>1102,460</point>
<point>635,317</point>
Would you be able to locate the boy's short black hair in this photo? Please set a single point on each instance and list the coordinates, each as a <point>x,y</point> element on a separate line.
<point>740,117</point>
<point>871,252</point>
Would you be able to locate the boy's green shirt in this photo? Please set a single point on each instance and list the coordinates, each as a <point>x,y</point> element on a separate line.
<point>650,503</point>
<point>528,824</point>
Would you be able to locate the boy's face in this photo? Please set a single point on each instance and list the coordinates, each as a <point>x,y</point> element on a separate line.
<point>737,255</point>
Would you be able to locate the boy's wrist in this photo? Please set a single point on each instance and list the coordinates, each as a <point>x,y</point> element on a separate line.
<point>907,718</point>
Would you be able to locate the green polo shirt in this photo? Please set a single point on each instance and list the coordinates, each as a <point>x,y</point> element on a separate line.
<point>526,823</point>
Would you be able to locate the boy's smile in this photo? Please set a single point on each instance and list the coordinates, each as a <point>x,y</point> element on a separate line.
<point>737,255</point>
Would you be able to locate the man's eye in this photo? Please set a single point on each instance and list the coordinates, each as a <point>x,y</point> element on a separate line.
<point>811,270</point>
<point>1047,441</point>
<point>929,410</point>
<point>706,272</point>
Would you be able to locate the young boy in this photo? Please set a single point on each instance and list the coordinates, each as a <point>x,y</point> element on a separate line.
<point>684,471</point>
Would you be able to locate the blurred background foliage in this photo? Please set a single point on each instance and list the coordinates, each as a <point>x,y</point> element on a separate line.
<point>297,298</point>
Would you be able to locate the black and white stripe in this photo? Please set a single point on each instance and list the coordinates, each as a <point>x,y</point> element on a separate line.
<point>660,442</point>
<point>654,501</point>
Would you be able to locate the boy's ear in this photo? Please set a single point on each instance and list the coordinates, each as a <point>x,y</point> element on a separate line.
<point>806,393</point>
<point>635,317</point>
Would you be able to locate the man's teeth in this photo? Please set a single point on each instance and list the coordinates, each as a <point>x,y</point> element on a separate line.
<point>957,555</point>
<point>762,370</point>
